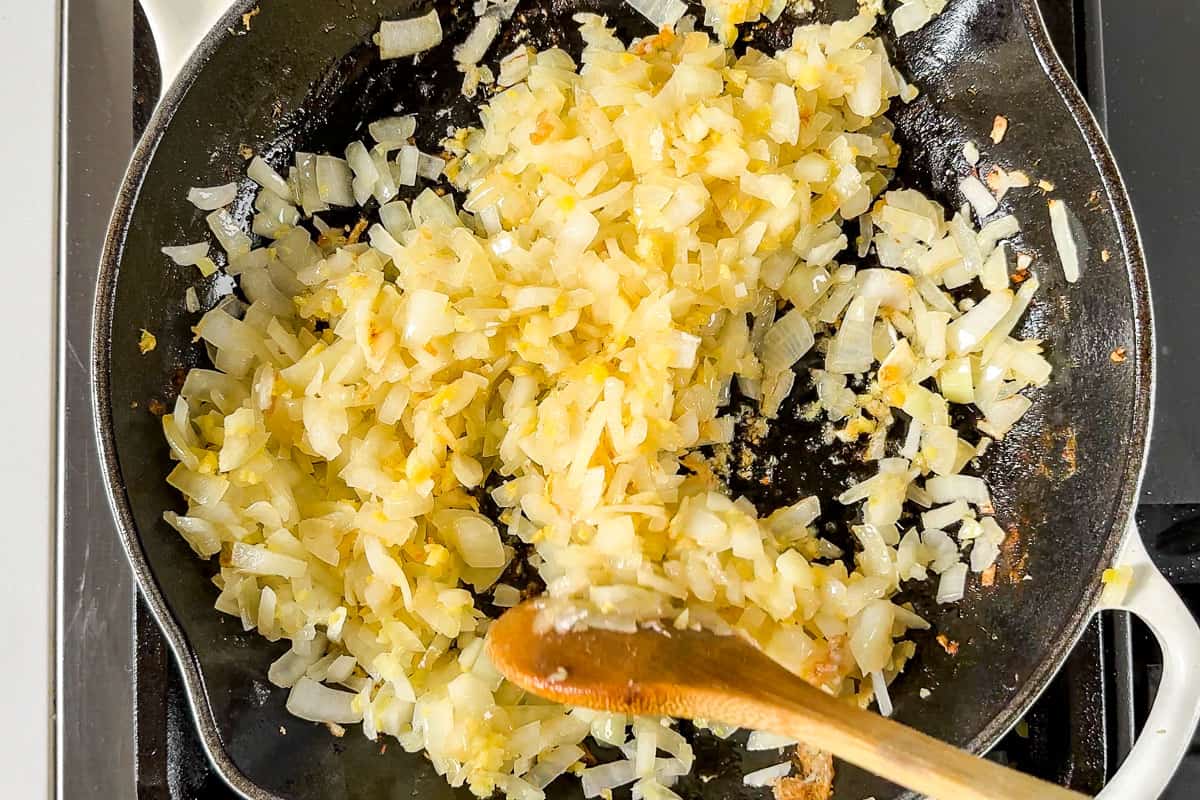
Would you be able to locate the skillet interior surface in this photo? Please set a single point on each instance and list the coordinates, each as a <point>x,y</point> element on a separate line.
<point>304,76</point>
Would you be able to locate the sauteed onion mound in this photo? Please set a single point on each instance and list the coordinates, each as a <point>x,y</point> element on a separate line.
<point>400,429</point>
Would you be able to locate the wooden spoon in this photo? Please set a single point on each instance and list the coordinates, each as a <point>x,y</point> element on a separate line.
<point>693,675</point>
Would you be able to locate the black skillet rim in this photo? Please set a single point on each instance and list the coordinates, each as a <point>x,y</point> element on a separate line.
<point>1116,196</point>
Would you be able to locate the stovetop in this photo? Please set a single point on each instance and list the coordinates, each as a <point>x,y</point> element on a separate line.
<point>125,729</point>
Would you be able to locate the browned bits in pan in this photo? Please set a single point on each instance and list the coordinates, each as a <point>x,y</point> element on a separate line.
<point>988,577</point>
<point>812,778</point>
<point>999,128</point>
<point>948,644</point>
<point>1118,356</point>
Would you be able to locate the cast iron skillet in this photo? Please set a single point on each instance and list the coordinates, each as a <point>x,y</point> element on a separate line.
<point>305,77</point>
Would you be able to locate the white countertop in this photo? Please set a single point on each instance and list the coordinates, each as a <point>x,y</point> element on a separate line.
<point>28,141</point>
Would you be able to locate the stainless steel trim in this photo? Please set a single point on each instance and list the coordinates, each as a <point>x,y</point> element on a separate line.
<point>95,594</point>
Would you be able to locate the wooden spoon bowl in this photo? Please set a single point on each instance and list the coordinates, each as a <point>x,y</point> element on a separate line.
<point>697,675</point>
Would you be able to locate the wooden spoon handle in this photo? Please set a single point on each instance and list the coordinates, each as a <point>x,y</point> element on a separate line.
<point>889,749</point>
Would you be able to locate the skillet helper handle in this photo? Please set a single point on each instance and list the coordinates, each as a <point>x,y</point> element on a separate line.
<point>178,27</point>
<point>1176,711</point>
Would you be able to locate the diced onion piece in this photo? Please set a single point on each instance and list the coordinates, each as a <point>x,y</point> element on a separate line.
<point>393,130</point>
<point>430,167</point>
<point>768,776</point>
<point>607,777</point>
<point>505,596</point>
<point>1064,239</point>
<point>366,174</point>
<point>316,703</point>
<point>945,516</point>
<point>1117,583</point>
<point>911,16</point>
<point>308,194</point>
<point>408,161</point>
<point>882,697</point>
<point>334,181</point>
<point>949,488</point>
<point>662,13</point>
<point>229,235</point>
<point>552,764</point>
<point>408,37</point>
<point>210,199</point>
<point>952,584</point>
<point>396,218</point>
<point>290,667</point>
<point>851,351</point>
<point>265,176</point>
<point>385,187</point>
<point>978,196</point>
<point>786,342</point>
<point>514,67</point>
<point>258,560</point>
<point>187,255</point>
<point>971,153</point>
<point>966,334</point>
<point>761,740</point>
<point>478,541</point>
<point>476,45</point>
<point>870,636</point>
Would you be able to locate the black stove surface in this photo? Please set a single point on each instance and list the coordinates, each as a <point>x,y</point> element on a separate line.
<point>1128,63</point>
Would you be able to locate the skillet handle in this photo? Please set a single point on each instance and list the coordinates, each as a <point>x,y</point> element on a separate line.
<point>178,27</point>
<point>1173,719</point>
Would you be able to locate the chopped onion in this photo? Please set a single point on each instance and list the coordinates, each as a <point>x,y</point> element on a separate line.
<point>265,176</point>
<point>478,541</point>
<point>211,199</point>
<point>316,703</point>
<point>945,516</point>
<point>761,740</point>
<point>607,777</point>
<point>786,342</point>
<point>966,334</point>
<point>768,776</point>
<point>430,167</point>
<point>393,130</point>
<point>952,584</point>
<point>978,196</point>
<point>572,334</point>
<point>1064,239</point>
<point>971,153</point>
<point>476,45</point>
<point>385,186</point>
<point>187,255</point>
<point>662,13</point>
<point>949,488</point>
<point>851,352</point>
<point>911,16</point>
<point>408,161</point>
<point>290,667</point>
<point>258,560</point>
<point>552,764</point>
<point>334,181</point>
<point>879,684</point>
<point>408,37</point>
<point>229,234</point>
<point>396,218</point>
<point>505,596</point>
<point>366,174</point>
<point>514,67</point>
